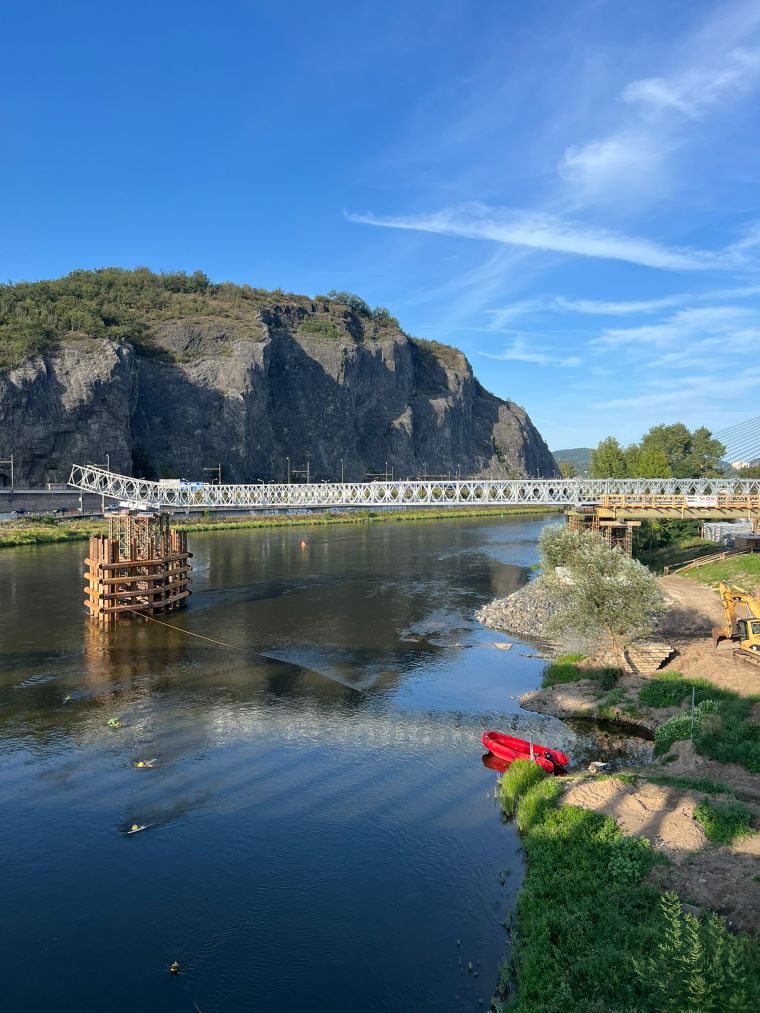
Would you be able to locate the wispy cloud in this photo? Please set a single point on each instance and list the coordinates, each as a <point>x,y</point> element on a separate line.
<point>539,231</point>
<point>690,394</point>
<point>714,68</point>
<point>728,323</point>
<point>502,315</point>
<point>520,351</point>
<point>694,90</point>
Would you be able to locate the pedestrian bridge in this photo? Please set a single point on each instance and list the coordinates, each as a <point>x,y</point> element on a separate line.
<point>704,496</point>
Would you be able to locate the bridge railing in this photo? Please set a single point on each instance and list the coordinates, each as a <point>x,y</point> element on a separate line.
<point>399,493</point>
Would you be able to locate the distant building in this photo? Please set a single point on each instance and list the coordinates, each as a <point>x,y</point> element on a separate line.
<point>738,465</point>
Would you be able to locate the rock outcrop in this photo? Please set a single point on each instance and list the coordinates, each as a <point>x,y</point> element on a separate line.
<point>296,378</point>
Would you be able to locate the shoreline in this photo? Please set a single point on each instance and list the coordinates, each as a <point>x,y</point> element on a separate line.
<point>667,850</point>
<point>73,529</point>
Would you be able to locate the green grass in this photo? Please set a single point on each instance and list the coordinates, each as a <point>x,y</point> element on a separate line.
<point>565,669</point>
<point>723,730</point>
<point>593,937</point>
<point>41,532</point>
<point>743,570</point>
<point>517,780</point>
<point>703,784</point>
<point>670,689</point>
<point>723,822</point>
<point>682,551</point>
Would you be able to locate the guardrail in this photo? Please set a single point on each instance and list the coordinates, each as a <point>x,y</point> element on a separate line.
<point>703,560</point>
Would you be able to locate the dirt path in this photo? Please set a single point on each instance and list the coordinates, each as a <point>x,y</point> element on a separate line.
<point>688,624</point>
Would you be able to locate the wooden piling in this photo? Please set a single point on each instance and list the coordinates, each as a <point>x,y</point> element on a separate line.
<point>141,567</point>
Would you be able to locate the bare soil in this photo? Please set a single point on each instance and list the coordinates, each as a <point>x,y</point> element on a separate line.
<point>720,879</point>
<point>692,613</point>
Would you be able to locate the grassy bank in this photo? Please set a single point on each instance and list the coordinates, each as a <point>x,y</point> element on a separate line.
<point>682,551</point>
<point>593,936</point>
<point>744,570</point>
<point>41,531</point>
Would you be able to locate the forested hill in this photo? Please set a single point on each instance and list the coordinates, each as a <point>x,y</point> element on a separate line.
<point>170,374</point>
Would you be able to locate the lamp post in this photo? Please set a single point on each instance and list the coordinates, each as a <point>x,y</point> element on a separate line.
<point>341,471</point>
<point>9,461</point>
<point>308,478</point>
<point>288,460</point>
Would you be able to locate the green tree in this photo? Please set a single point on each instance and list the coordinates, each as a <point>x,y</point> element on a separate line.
<point>567,470</point>
<point>608,460</point>
<point>689,455</point>
<point>600,594</point>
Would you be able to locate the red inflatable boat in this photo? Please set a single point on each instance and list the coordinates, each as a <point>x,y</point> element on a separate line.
<point>507,747</point>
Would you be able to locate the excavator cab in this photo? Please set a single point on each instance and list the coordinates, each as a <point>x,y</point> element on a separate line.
<point>745,628</point>
<point>748,634</point>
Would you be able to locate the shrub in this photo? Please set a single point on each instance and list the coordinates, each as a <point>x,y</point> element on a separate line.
<point>517,780</point>
<point>697,965</point>
<point>353,302</point>
<point>533,805</point>
<point>599,593</point>
<point>563,669</point>
<point>669,689</point>
<point>723,822</point>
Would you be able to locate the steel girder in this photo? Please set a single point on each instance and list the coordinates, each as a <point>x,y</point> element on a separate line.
<point>140,492</point>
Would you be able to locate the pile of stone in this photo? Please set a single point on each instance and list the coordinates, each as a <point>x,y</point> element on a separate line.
<point>526,612</point>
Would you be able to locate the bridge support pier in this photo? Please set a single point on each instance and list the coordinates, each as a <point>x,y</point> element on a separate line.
<point>617,533</point>
<point>140,568</point>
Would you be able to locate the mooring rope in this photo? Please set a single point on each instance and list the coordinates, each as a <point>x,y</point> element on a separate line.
<point>200,636</point>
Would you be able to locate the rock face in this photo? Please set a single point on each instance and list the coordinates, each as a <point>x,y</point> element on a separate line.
<point>314,384</point>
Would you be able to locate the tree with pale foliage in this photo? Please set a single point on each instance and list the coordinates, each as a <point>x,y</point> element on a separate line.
<point>601,594</point>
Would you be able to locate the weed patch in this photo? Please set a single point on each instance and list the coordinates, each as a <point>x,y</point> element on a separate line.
<point>593,936</point>
<point>517,780</point>
<point>565,669</point>
<point>670,689</point>
<point>723,822</point>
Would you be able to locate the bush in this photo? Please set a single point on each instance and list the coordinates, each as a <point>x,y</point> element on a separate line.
<point>517,780</point>
<point>353,302</point>
<point>669,689</point>
<point>598,592</point>
<point>563,669</point>
<point>697,965</point>
<point>533,805</point>
<point>723,821</point>
<point>722,730</point>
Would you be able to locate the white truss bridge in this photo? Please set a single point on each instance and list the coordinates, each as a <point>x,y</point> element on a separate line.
<point>202,496</point>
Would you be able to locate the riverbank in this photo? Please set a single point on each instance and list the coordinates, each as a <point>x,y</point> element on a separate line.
<point>593,930</point>
<point>37,531</point>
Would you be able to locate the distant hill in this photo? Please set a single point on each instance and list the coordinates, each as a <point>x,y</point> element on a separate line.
<point>579,457</point>
<point>173,375</point>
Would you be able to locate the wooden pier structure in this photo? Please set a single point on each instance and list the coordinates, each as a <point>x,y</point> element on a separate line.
<point>140,568</point>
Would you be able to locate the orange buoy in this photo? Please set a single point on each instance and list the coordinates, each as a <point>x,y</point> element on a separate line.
<point>303,545</point>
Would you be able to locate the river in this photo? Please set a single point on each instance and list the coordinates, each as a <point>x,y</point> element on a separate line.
<point>322,833</point>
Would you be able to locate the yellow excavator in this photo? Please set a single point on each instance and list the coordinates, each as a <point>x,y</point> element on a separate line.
<point>743,628</point>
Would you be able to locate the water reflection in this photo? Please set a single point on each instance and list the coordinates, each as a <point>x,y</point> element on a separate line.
<point>318,821</point>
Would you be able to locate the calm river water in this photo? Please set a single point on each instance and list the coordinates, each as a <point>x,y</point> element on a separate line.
<point>322,833</point>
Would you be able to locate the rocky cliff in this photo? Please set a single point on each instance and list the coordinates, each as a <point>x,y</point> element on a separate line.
<point>248,383</point>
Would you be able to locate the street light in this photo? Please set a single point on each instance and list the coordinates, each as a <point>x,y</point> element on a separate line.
<point>218,470</point>
<point>341,471</point>
<point>288,460</point>
<point>9,461</point>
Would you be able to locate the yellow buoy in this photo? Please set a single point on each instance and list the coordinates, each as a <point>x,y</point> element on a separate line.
<point>174,968</point>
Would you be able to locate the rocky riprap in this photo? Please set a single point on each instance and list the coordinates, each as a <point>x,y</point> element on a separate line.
<point>526,612</point>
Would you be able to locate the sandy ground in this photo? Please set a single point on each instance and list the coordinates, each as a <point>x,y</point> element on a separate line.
<point>688,623</point>
<point>722,879</point>
<point>717,878</point>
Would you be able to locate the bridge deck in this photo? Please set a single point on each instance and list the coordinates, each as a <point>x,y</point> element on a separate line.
<point>346,495</point>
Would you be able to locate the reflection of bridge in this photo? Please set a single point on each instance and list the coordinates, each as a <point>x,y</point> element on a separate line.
<point>179,495</point>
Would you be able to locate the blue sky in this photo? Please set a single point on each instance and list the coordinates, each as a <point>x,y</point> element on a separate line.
<point>566,191</point>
